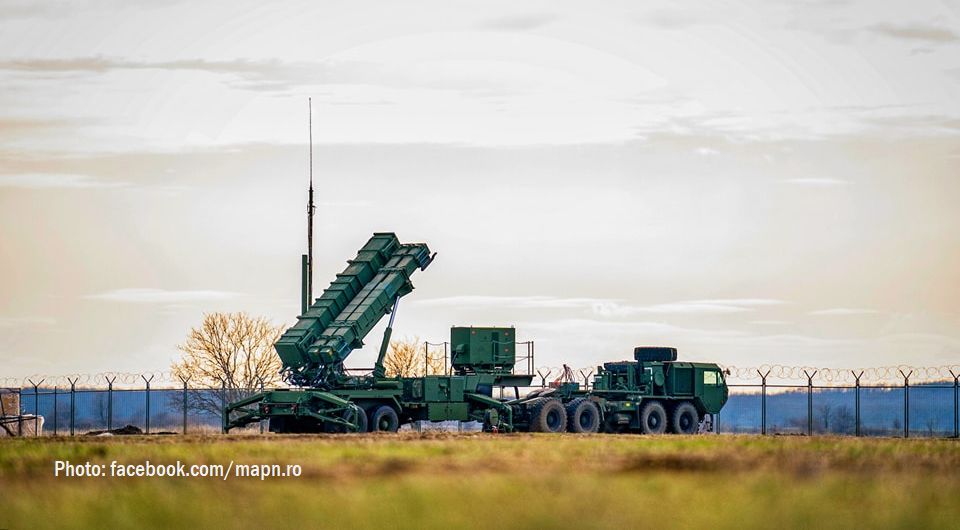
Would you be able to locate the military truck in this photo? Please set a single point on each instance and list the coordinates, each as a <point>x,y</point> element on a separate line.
<point>652,394</point>
<point>645,396</point>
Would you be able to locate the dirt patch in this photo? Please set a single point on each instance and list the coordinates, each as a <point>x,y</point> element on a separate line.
<point>126,430</point>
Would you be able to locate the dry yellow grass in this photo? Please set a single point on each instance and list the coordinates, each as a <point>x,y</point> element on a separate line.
<point>479,481</point>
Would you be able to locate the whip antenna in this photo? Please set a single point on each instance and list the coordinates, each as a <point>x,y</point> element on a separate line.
<point>310,208</point>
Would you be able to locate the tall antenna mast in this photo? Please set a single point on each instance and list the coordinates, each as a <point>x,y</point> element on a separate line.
<point>310,209</point>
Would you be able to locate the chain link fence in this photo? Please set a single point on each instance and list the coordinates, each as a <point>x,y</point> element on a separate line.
<point>885,401</point>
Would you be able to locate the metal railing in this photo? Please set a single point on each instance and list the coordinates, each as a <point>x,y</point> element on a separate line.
<point>524,356</point>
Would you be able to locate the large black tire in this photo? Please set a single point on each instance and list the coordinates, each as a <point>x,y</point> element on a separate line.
<point>653,418</point>
<point>361,420</point>
<point>583,416</point>
<point>685,419</point>
<point>547,415</point>
<point>384,419</point>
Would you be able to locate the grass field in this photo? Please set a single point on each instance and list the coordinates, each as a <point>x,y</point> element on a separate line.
<point>493,481</point>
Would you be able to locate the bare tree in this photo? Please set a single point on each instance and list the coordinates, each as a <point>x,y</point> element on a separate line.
<point>229,351</point>
<point>825,410</point>
<point>409,358</point>
<point>843,420</point>
<point>100,407</point>
<point>932,426</point>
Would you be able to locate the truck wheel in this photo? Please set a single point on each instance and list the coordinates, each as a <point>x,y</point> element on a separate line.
<point>653,418</point>
<point>548,415</point>
<point>685,419</point>
<point>360,418</point>
<point>384,419</point>
<point>583,416</point>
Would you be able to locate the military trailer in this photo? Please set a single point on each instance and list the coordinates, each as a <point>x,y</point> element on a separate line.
<point>327,398</point>
<point>653,394</point>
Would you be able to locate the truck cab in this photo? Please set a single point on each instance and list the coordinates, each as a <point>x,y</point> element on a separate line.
<point>648,393</point>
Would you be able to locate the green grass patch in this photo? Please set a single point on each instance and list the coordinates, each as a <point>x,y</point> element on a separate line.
<point>489,481</point>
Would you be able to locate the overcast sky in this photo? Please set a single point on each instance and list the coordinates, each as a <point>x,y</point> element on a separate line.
<point>752,182</point>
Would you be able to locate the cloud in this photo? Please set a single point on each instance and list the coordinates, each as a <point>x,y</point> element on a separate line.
<point>818,182</point>
<point>98,64</point>
<point>769,322</point>
<point>160,296</point>
<point>13,322</point>
<point>742,301</point>
<point>261,74</point>
<point>692,307</point>
<point>275,74</point>
<point>919,123</point>
<point>525,22</point>
<point>604,306</point>
<point>843,311</point>
<point>56,180</point>
<point>915,32</point>
<point>344,204</point>
<point>588,327</point>
<point>523,302</point>
<point>54,9</point>
<point>671,19</point>
<point>17,128</point>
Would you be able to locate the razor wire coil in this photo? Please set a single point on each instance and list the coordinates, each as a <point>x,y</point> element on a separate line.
<point>545,374</point>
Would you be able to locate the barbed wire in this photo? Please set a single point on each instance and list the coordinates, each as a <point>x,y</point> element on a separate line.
<point>545,374</point>
<point>100,379</point>
<point>897,373</point>
<point>817,375</point>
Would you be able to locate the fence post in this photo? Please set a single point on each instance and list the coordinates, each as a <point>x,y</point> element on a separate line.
<point>55,410</point>
<point>532,360</point>
<point>261,420</point>
<point>110,402</point>
<point>543,377</point>
<point>36,406</point>
<point>223,405</point>
<point>906,403</point>
<point>956,404</point>
<point>586,378</point>
<point>20,411</point>
<point>73,406</point>
<point>763,401</point>
<point>810,401</point>
<point>856,407</point>
<point>147,422</point>
<point>184,381</point>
